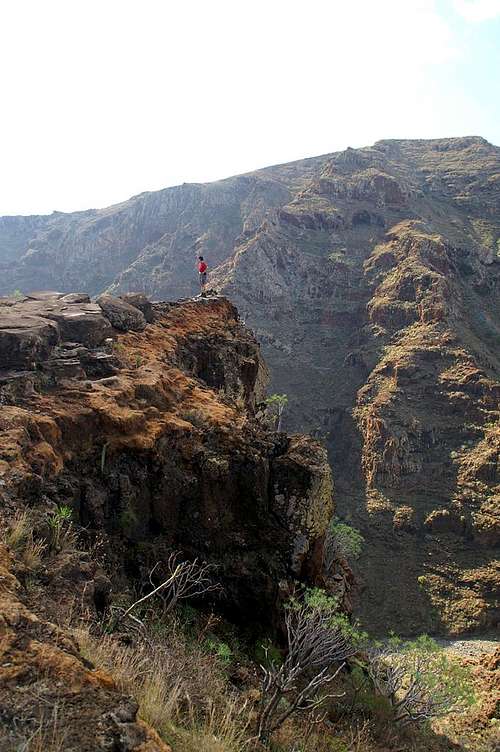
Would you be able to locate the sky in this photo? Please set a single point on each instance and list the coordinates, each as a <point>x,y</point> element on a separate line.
<point>103,99</point>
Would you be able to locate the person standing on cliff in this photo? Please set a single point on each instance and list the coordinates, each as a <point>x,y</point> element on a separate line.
<point>202,270</point>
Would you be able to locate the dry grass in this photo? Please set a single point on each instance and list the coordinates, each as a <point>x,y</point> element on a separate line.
<point>222,730</point>
<point>33,552</point>
<point>18,531</point>
<point>68,539</point>
<point>355,735</point>
<point>180,689</point>
<point>20,539</point>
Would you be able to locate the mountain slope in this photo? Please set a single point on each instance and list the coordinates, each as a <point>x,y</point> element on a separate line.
<point>149,242</point>
<point>375,294</point>
<point>371,277</point>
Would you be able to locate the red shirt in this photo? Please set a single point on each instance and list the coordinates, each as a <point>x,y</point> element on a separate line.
<point>202,267</point>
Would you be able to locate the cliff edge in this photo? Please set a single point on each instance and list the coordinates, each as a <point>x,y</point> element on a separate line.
<point>141,422</point>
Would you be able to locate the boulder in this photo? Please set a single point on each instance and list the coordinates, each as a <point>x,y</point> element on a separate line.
<point>122,315</point>
<point>84,324</point>
<point>140,301</point>
<point>25,340</point>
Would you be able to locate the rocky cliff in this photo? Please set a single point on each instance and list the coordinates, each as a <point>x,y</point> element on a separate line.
<point>371,278</point>
<point>150,437</point>
<point>141,421</point>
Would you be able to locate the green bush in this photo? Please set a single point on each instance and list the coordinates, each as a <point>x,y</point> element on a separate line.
<point>419,679</point>
<point>276,405</point>
<point>60,527</point>
<point>346,540</point>
<point>221,649</point>
<point>316,598</point>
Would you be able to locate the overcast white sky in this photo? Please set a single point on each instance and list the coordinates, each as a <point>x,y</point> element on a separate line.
<point>103,99</point>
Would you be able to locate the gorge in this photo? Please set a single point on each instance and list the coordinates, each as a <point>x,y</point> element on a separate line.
<point>370,277</point>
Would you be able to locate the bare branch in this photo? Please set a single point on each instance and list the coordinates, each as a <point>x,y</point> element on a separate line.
<point>192,580</point>
<point>403,679</point>
<point>314,647</point>
<point>185,580</point>
<point>146,597</point>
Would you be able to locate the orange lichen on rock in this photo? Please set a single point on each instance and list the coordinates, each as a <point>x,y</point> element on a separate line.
<point>131,408</point>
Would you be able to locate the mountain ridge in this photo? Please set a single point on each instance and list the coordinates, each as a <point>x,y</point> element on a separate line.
<point>471,138</point>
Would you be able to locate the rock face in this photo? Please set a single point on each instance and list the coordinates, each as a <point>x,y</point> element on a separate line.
<point>371,277</point>
<point>375,293</point>
<point>166,455</point>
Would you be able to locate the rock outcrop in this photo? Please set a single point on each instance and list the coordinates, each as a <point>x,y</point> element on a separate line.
<point>161,454</point>
<point>121,314</point>
<point>371,278</point>
<point>164,452</point>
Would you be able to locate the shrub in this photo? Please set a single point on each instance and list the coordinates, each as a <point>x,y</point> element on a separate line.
<point>342,541</point>
<point>62,534</point>
<point>221,649</point>
<point>348,540</point>
<point>276,405</point>
<point>317,598</point>
<point>316,653</point>
<point>419,680</point>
